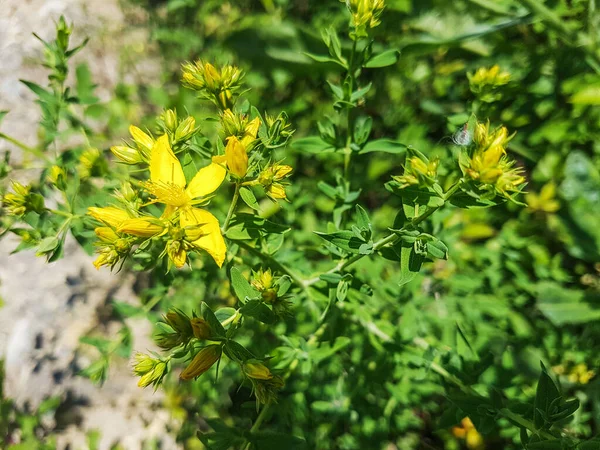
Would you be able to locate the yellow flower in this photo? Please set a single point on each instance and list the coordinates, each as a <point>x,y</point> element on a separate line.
<point>168,186</point>
<point>236,157</point>
<point>365,14</point>
<point>203,361</point>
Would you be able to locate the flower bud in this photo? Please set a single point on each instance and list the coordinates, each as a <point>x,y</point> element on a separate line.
<point>185,129</point>
<point>106,234</point>
<point>237,158</point>
<point>257,371</point>
<point>126,154</point>
<point>201,328</point>
<point>170,119</point>
<point>203,361</point>
<point>58,177</point>
<point>142,227</point>
<point>109,215</point>
<point>177,253</point>
<point>143,141</point>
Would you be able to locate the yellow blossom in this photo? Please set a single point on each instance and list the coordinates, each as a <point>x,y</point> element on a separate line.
<point>168,185</point>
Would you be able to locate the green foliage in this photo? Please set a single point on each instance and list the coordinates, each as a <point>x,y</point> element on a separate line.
<point>401,281</point>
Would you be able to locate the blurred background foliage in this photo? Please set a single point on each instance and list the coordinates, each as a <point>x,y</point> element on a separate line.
<point>522,283</point>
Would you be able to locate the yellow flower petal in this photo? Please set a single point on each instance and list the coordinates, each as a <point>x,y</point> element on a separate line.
<point>212,241</point>
<point>206,181</point>
<point>252,127</point>
<point>143,227</point>
<point>109,215</point>
<point>164,165</point>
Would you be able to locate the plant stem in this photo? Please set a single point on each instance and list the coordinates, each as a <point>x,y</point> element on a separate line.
<point>259,420</point>
<point>273,263</point>
<point>234,200</point>
<point>27,149</point>
<point>349,124</point>
<point>390,239</point>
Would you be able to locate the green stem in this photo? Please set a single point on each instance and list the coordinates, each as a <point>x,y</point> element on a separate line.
<point>259,420</point>
<point>390,239</point>
<point>234,200</point>
<point>27,149</point>
<point>349,121</point>
<point>61,213</point>
<point>272,262</point>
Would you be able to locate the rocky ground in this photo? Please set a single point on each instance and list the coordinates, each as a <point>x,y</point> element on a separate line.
<point>48,307</point>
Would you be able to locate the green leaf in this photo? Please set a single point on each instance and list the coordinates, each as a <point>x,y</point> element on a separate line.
<point>565,306</point>
<point>248,197</point>
<point>258,310</point>
<point>225,313</point>
<point>384,146</point>
<point>243,290</point>
<point>216,328</point>
<point>384,59</point>
<point>249,226</point>
<point>125,310</point>
<point>237,352</point>
<point>410,264</point>
<point>546,393</point>
<point>348,241</point>
<point>312,144</point>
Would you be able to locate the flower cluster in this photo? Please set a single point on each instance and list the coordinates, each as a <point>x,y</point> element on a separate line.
<point>489,164</point>
<point>484,83</point>
<point>365,15</point>
<point>216,84</point>
<point>418,170</point>
<point>184,225</point>
<point>22,200</point>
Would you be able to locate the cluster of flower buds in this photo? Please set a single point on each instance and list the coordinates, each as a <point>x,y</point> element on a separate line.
<point>216,84</point>
<point>271,291</point>
<point>150,370</point>
<point>484,83</point>
<point>22,200</point>
<point>271,179</point>
<point>365,15</point>
<point>418,171</point>
<point>578,374</point>
<point>490,165</point>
